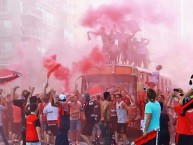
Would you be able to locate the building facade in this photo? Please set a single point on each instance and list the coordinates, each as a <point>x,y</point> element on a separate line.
<point>27,21</point>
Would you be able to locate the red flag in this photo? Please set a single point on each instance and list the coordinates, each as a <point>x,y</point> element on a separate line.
<point>142,140</point>
<point>8,75</point>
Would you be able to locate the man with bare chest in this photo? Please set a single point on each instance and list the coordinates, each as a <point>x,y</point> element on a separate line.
<point>105,118</point>
<point>75,124</point>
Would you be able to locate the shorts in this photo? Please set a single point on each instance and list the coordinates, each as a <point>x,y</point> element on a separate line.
<point>122,128</point>
<point>87,129</point>
<point>75,125</point>
<point>51,129</point>
<point>182,139</point>
<point>113,123</point>
<point>17,128</point>
<point>96,128</point>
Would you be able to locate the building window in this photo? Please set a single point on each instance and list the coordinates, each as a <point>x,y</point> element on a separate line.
<point>3,5</point>
<point>7,24</point>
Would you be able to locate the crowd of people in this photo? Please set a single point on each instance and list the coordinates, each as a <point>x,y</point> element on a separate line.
<point>123,46</point>
<point>62,119</point>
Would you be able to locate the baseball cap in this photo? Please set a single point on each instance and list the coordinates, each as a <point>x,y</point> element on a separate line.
<point>62,97</point>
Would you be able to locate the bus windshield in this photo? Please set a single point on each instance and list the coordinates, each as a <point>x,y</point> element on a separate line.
<point>106,82</point>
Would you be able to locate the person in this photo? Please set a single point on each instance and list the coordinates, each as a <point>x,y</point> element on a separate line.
<point>33,136</point>
<point>88,108</point>
<point>8,120</point>
<point>105,41</point>
<point>114,116</point>
<point>154,77</point>
<point>75,124</point>
<point>51,113</point>
<point>122,114</point>
<point>17,125</point>
<point>114,52</point>
<point>97,112</point>
<point>164,136</point>
<point>161,99</point>
<point>21,102</point>
<point>184,128</point>
<point>104,123</point>
<point>134,47</point>
<point>61,101</point>
<point>126,98</point>
<point>124,40</point>
<point>152,116</point>
<point>1,125</point>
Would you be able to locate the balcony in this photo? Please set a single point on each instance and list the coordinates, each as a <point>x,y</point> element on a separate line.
<point>28,33</point>
<point>5,32</point>
<point>31,13</point>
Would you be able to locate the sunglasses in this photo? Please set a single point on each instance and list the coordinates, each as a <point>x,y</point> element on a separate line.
<point>190,82</point>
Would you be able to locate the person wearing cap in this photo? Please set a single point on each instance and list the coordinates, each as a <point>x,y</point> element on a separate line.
<point>184,129</point>
<point>88,108</point>
<point>63,119</point>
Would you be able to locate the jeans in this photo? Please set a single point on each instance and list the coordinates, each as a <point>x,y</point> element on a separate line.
<point>3,135</point>
<point>105,133</point>
<point>62,137</point>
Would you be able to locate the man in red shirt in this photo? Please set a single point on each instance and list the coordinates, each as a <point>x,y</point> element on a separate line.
<point>184,128</point>
<point>33,127</point>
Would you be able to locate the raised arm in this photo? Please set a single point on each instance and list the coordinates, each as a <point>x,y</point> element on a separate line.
<point>45,89</point>
<point>171,97</point>
<point>31,91</point>
<point>13,92</point>
<point>91,32</point>
<point>188,94</point>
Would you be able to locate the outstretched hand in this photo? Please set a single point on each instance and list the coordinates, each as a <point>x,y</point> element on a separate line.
<point>15,88</point>
<point>31,89</point>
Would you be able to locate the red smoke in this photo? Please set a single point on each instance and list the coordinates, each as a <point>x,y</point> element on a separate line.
<point>94,58</point>
<point>50,61</point>
<point>106,15</point>
<point>60,72</point>
<point>52,69</point>
<point>112,12</point>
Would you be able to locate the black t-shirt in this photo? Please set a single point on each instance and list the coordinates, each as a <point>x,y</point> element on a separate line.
<point>97,112</point>
<point>89,112</point>
<point>164,120</point>
<point>22,104</point>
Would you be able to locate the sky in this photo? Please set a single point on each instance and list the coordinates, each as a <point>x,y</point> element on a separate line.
<point>166,23</point>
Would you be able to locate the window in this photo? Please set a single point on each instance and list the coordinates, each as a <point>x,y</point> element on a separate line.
<point>5,46</point>
<point>7,24</point>
<point>3,5</point>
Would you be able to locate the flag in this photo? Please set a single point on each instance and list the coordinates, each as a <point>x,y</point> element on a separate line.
<point>8,75</point>
<point>144,139</point>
